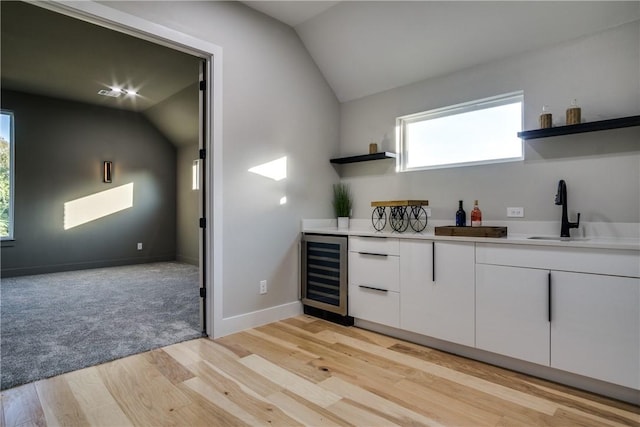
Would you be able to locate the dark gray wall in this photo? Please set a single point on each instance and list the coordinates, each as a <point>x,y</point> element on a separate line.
<point>60,147</point>
<point>187,211</point>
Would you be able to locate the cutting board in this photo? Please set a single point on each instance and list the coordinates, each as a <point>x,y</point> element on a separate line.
<point>450,230</point>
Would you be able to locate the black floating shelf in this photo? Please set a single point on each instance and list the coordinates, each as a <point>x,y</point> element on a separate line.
<point>364,158</point>
<point>622,122</point>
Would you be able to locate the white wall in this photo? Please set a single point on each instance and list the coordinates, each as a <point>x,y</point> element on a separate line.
<point>601,169</point>
<point>275,103</point>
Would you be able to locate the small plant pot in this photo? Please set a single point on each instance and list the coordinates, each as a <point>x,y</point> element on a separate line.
<point>343,223</point>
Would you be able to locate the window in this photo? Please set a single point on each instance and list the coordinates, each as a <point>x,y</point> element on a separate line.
<point>7,151</point>
<point>195,175</point>
<point>476,132</point>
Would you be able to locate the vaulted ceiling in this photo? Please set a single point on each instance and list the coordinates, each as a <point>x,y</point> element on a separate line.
<point>366,47</point>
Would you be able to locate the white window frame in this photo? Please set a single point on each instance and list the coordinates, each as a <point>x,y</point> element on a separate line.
<point>12,161</point>
<point>481,104</point>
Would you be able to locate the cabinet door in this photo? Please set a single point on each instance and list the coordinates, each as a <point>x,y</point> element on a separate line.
<point>595,326</point>
<point>512,312</point>
<point>374,270</point>
<point>437,291</point>
<point>375,305</point>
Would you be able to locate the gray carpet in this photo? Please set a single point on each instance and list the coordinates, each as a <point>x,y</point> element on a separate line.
<point>56,323</point>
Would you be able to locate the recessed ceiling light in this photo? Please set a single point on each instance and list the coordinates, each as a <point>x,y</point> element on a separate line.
<point>111,93</point>
<point>115,92</point>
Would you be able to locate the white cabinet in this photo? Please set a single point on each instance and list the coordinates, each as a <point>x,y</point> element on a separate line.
<point>584,323</point>
<point>374,282</point>
<point>437,292</point>
<point>595,326</point>
<point>573,309</point>
<point>512,312</point>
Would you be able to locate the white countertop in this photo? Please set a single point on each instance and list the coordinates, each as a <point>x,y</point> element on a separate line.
<point>589,237</point>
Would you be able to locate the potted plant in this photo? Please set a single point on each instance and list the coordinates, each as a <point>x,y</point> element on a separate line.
<point>342,203</point>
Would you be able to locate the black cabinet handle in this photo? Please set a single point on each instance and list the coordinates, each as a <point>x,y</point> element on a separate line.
<point>433,261</point>
<point>549,296</point>
<point>371,288</point>
<point>373,254</point>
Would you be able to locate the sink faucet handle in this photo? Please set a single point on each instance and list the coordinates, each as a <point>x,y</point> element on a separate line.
<point>577,223</point>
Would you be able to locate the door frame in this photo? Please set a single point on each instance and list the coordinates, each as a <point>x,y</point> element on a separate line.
<point>116,20</point>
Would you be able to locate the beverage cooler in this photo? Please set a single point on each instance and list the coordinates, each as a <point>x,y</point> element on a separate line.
<point>324,277</point>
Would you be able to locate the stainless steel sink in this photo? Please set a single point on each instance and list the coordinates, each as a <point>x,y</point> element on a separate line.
<point>559,239</point>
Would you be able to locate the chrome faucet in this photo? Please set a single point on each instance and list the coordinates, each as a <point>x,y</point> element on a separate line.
<point>561,199</point>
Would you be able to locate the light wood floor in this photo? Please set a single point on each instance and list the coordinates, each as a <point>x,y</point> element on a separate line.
<point>304,371</point>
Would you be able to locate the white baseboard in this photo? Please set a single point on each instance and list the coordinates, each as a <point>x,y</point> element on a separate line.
<point>230,325</point>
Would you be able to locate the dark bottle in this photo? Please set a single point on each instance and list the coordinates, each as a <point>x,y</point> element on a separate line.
<point>461,216</point>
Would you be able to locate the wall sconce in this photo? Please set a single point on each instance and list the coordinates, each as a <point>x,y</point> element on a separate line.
<point>106,171</point>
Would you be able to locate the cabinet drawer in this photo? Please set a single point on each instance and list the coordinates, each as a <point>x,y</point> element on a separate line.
<point>374,305</point>
<point>615,262</point>
<point>374,271</point>
<point>376,245</point>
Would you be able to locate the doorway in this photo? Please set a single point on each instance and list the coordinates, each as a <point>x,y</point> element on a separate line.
<point>204,251</point>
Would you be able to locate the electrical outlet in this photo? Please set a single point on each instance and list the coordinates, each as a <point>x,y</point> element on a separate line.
<point>515,212</point>
<point>428,211</point>
<point>139,246</point>
<point>263,287</point>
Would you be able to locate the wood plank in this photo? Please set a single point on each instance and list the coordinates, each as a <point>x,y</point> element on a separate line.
<point>59,404</point>
<point>21,406</point>
<point>305,412</point>
<point>315,326</point>
<point>220,400</point>
<point>301,336</point>
<point>340,358</point>
<point>479,399</point>
<point>211,350</point>
<point>233,347</point>
<point>298,385</point>
<point>282,343</point>
<point>381,407</point>
<point>357,415</point>
<point>231,367</point>
<point>227,393</point>
<point>202,412</point>
<point>586,418</point>
<point>294,360</point>
<point>564,417</point>
<point>440,406</point>
<point>621,412</point>
<point>482,231</point>
<point>168,366</point>
<point>183,354</point>
<point>143,393</point>
<point>96,402</point>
